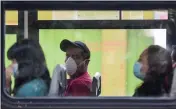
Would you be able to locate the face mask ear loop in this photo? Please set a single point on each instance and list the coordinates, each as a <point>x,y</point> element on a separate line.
<point>82,62</point>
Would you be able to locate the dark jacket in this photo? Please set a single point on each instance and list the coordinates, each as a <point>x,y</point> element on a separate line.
<point>151,89</point>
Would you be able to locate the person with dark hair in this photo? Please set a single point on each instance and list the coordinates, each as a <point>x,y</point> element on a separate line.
<point>8,79</point>
<point>173,55</point>
<point>154,68</point>
<point>76,63</point>
<point>29,69</point>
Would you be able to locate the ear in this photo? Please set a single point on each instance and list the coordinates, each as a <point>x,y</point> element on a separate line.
<point>87,62</point>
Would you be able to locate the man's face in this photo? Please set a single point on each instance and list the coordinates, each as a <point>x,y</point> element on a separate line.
<point>76,54</point>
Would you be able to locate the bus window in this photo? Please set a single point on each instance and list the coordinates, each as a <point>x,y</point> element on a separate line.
<point>113,51</point>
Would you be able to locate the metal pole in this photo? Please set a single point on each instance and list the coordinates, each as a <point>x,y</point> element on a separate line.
<point>33,31</point>
<point>25,24</point>
<point>120,14</point>
<point>20,32</point>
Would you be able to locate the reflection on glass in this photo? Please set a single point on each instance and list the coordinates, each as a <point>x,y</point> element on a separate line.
<point>113,53</point>
<point>102,15</point>
<point>78,15</point>
<point>10,39</point>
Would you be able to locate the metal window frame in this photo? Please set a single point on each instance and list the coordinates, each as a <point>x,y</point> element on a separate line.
<point>11,29</point>
<point>100,24</point>
<point>85,102</point>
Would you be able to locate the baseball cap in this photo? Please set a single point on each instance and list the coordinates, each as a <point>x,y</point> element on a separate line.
<point>66,43</point>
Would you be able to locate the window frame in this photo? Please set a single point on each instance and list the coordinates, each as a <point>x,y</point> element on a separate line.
<point>81,102</point>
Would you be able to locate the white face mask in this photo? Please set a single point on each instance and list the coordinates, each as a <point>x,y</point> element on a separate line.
<point>15,69</point>
<point>71,66</point>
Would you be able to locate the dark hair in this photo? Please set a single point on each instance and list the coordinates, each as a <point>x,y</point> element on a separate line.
<point>158,79</point>
<point>174,53</point>
<point>31,62</point>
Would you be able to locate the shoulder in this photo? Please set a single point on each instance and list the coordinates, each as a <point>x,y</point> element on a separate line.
<point>36,87</point>
<point>148,89</point>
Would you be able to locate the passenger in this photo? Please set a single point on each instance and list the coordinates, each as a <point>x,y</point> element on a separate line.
<point>77,60</point>
<point>154,68</point>
<point>29,69</point>
<point>8,79</point>
<point>173,55</point>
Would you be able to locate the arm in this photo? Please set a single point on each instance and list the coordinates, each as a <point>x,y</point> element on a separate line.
<point>8,73</point>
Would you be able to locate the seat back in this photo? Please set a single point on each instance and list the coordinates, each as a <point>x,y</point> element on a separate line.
<point>58,82</point>
<point>173,88</point>
<point>96,84</point>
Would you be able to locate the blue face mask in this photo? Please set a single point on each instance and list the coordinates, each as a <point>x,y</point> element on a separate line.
<point>137,70</point>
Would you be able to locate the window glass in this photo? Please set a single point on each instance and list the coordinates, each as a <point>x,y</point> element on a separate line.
<point>78,15</point>
<point>113,53</point>
<point>102,15</point>
<point>145,15</point>
<point>11,17</point>
<point>10,39</point>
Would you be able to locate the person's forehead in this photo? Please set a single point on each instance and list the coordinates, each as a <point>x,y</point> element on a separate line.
<point>73,50</point>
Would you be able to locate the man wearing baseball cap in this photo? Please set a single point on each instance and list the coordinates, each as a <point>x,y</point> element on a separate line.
<point>76,63</point>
